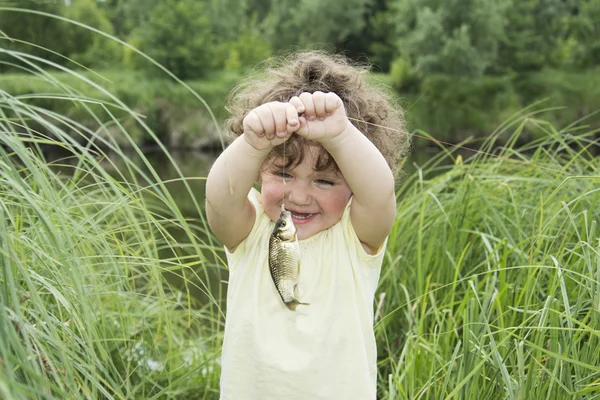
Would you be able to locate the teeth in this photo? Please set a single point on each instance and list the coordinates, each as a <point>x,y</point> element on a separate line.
<point>302,216</point>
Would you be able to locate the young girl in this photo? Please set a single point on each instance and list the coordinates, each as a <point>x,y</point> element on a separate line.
<point>312,133</point>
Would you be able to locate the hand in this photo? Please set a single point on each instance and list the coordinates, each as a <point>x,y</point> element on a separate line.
<point>323,115</point>
<point>270,124</point>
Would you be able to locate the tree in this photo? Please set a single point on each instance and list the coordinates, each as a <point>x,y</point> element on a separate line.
<point>534,29</point>
<point>126,15</point>
<point>236,24</point>
<point>178,34</point>
<point>86,46</point>
<point>313,22</point>
<point>376,40</point>
<point>584,26</point>
<point>452,37</point>
<point>45,32</point>
<point>62,37</point>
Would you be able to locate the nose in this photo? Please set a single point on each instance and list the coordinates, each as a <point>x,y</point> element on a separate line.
<point>299,195</point>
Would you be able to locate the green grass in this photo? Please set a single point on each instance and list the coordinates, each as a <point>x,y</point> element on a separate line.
<point>490,286</point>
<point>85,245</point>
<point>492,275</point>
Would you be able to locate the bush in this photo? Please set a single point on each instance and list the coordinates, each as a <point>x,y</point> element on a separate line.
<point>453,108</point>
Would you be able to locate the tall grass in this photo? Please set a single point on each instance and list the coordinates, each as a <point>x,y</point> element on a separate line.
<point>85,245</point>
<point>490,286</point>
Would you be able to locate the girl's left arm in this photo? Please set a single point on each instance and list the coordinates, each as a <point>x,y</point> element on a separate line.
<point>373,208</point>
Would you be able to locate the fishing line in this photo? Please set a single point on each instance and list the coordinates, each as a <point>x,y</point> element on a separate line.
<point>529,163</point>
<point>283,176</point>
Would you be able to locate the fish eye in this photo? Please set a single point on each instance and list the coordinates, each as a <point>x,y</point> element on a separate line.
<point>282,223</point>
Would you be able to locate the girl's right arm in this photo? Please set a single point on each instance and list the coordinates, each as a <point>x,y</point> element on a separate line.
<point>229,212</point>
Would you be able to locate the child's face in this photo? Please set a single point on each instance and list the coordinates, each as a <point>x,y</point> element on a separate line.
<point>317,199</point>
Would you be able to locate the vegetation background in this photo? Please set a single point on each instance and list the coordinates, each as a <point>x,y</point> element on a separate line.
<point>111,285</point>
<point>459,67</point>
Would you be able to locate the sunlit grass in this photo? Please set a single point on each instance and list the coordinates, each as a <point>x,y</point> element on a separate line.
<point>490,286</point>
<point>492,275</point>
<point>85,245</point>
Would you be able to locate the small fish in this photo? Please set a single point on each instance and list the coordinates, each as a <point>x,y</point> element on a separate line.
<point>284,259</point>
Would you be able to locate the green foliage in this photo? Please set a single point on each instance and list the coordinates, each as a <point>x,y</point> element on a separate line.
<point>376,40</point>
<point>452,108</point>
<point>489,289</point>
<point>126,15</point>
<point>313,22</point>
<point>402,75</point>
<point>456,38</point>
<point>85,244</point>
<point>178,35</point>
<point>42,31</point>
<point>534,30</point>
<point>168,109</point>
<point>576,93</point>
<point>57,40</point>
<point>87,47</point>
<point>246,52</point>
<point>491,281</point>
<point>585,27</point>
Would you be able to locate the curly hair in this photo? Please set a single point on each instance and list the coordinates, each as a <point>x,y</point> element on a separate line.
<point>369,107</point>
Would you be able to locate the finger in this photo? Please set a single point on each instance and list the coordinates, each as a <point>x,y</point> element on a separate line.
<point>266,119</point>
<point>292,118</point>
<point>332,103</point>
<point>278,110</point>
<point>252,123</point>
<point>319,103</point>
<point>309,107</point>
<point>303,129</point>
<point>296,102</point>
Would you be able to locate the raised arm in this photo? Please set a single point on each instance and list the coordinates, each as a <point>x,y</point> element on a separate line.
<point>373,206</point>
<point>229,212</point>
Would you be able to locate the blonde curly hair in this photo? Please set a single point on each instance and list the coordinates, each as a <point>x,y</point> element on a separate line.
<point>369,107</point>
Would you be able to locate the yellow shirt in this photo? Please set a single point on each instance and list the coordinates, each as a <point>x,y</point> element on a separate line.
<point>325,350</point>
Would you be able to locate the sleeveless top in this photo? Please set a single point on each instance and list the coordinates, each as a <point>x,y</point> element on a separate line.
<point>324,350</point>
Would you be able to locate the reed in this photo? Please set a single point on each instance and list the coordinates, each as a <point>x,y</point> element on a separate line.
<point>86,243</point>
<point>490,286</point>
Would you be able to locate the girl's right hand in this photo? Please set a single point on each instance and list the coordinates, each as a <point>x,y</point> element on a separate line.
<point>270,124</point>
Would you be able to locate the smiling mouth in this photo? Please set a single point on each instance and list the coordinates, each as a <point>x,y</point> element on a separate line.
<point>302,216</point>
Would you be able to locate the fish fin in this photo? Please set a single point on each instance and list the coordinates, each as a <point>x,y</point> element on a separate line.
<point>294,303</point>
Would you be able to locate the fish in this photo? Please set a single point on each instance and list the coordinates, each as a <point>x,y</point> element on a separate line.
<point>284,259</point>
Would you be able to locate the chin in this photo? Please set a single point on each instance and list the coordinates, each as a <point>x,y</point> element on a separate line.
<point>304,232</point>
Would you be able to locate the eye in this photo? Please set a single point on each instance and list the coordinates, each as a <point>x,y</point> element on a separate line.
<point>282,223</point>
<point>324,182</point>
<point>282,175</point>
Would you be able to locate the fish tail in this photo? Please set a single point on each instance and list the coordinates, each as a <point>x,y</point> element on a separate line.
<point>294,303</point>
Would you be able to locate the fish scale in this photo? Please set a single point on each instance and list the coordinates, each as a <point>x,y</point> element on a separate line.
<point>284,259</point>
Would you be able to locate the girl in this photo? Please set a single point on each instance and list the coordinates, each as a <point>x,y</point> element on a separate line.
<point>312,133</point>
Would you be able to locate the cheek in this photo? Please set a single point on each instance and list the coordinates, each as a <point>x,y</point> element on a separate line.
<point>271,195</point>
<point>272,192</point>
<point>336,204</point>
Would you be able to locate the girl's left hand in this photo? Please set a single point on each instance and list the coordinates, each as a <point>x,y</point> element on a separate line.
<point>323,115</point>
